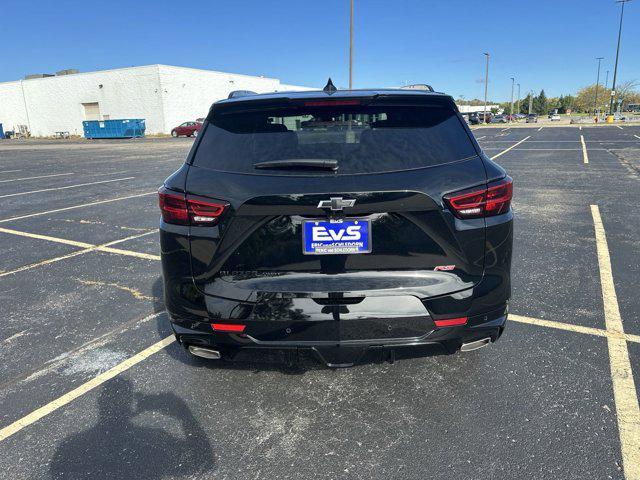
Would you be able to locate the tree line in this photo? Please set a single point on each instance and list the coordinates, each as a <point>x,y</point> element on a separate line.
<point>584,101</point>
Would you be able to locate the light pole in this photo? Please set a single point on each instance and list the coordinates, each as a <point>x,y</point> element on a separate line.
<point>518,104</point>
<point>351,46</point>
<point>486,85</point>
<point>595,101</point>
<point>513,81</point>
<point>615,68</point>
<point>530,101</point>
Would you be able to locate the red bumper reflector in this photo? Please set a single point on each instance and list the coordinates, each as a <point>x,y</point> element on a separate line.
<point>228,327</point>
<point>451,322</point>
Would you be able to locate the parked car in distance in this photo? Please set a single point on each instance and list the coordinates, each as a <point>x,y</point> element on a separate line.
<point>485,118</point>
<point>532,118</point>
<point>187,129</point>
<point>474,118</point>
<point>554,117</point>
<point>282,231</point>
<point>499,119</point>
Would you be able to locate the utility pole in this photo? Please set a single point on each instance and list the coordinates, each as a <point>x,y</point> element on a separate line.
<point>615,68</point>
<point>595,101</point>
<point>351,46</point>
<point>513,81</point>
<point>486,85</point>
<point>530,101</point>
<point>518,107</point>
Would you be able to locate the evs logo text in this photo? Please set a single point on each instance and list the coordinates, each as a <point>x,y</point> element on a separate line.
<point>323,234</point>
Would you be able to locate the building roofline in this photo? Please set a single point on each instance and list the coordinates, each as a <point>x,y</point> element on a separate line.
<point>217,71</point>
<point>153,65</point>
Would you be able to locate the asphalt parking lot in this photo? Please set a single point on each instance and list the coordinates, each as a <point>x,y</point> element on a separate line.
<point>93,386</point>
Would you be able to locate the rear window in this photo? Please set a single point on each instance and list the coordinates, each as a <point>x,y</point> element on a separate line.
<point>361,138</point>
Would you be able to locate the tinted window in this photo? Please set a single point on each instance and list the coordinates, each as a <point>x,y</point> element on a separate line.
<point>363,139</point>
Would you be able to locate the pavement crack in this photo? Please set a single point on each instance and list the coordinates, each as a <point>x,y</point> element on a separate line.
<point>633,170</point>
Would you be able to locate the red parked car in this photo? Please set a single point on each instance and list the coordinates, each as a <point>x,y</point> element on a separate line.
<point>188,129</point>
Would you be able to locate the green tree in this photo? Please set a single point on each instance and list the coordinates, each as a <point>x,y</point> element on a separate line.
<point>566,103</point>
<point>585,99</point>
<point>506,107</point>
<point>524,104</point>
<point>540,103</point>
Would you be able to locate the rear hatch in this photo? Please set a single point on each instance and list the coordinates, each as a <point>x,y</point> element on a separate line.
<point>336,196</point>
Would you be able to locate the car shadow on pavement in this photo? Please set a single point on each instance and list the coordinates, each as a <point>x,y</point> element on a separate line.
<point>137,436</point>
<point>260,360</point>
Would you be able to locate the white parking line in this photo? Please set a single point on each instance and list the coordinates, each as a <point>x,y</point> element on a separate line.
<point>637,137</point>
<point>9,171</point>
<point>511,147</point>
<point>585,157</point>
<point>624,389</point>
<point>540,129</point>
<point>39,176</point>
<point>73,207</point>
<point>549,149</point>
<point>564,141</point>
<point>619,127</point>
<point>480,138</point>
<point>65,188</point>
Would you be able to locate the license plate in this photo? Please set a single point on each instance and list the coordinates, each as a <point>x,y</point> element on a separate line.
<point>336,237</point>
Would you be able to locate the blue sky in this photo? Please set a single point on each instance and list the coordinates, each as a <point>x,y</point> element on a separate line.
<point>550,44</point>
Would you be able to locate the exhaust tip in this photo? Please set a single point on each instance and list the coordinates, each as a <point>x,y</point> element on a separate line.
<point>205,352</point>
<point>475,345</point>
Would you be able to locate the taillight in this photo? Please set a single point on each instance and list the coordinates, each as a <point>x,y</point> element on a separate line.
<point>173,207</point>
<point>494,199</point>
<point>178,209</point>
<point>499,196</point>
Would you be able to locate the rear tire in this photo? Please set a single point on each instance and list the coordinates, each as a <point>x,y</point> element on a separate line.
<point>174,134</point>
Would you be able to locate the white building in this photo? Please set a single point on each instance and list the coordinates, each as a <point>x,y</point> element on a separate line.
<point>477,108</point>
<point>163,95</point>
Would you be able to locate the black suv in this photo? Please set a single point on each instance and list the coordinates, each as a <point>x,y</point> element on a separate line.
<point>342,222</point>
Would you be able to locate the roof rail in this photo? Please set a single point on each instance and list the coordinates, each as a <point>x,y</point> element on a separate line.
<point>241,93</point>
<point>418,86</point>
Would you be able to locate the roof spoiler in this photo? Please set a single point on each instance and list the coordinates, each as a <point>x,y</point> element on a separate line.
<point>241,93</point>
<point>418,86</point>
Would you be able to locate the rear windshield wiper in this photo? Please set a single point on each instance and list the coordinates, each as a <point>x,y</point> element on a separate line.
<point>302,163</point>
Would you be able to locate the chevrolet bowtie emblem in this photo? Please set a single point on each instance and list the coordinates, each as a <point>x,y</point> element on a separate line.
<point>336,203</point>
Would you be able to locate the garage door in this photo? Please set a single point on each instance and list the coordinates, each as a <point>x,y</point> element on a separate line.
<point>91,111</point>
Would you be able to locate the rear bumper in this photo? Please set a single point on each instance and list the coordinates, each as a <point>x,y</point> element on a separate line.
<point>339,352</point>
